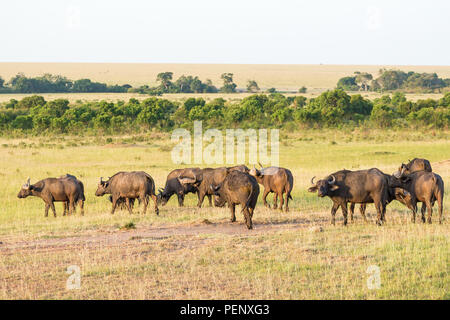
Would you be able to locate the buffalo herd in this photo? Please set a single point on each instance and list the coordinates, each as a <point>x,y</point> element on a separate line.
<point>413,182</point>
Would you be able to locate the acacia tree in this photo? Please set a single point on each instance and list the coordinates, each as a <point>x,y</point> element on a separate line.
<point>252,86</point>
<point>362,80</point>
<point>228,85</point>
<point>165,79</point>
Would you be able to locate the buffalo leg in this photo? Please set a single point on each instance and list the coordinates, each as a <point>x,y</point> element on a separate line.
<point>52,206</point>
<point>287,202</point>
<point>275,200</point>
<point>82,207</point>
<point>155,202</point>
<point>248,219</point>
<point>47,206</point>
<point>127,201</point>
<point>362,209</point>
<point>210,200</point>
<point>65,208</point>
<point>201,196</point>
<point>430,210</point>
<point>114,204</point>
<point>180,199</point>
<point>344,212</point>
<point>352,210</point>
<point>422,211</point>
<point>233,212</point>
<point>333,213</point>
<point>266,192</point>
<point>281,201</point>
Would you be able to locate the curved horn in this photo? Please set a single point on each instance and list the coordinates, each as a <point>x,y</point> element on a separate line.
<point>260,165</point>
<point>312,180</point>
<point>101,179</point>
<point>28,181</point>
<point>333,179</point>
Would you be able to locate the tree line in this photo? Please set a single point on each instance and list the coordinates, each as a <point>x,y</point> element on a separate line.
<point>394,80</point>
<point>334,109</point>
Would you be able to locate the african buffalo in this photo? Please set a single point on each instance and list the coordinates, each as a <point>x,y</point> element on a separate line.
<point>55,189</point>
<point>173,185</point>
<point>129,185</point>
<point>207,177</point>
<point>414,165</point>
<point>66,204</point>
<point>362,186</point>
<point>276,180</point>
<point>237,188</point>
<point>426,187</point>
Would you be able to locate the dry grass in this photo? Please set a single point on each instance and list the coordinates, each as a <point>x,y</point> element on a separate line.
<point>283,77</point>
<point>196,253</point>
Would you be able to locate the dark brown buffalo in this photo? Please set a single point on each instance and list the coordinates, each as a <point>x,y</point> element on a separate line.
<point>276,180</point>
<point>362,186</point>
<point>426,187</point>
<point>55,190</point>
<point>66,204</point>
<point>207,177</point>
<point>238,188</point>
<point>173,185</point>
<point>129,185</point>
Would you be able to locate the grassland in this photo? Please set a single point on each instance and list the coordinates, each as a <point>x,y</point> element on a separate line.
<point>197,253</point>
<point>280,76</point>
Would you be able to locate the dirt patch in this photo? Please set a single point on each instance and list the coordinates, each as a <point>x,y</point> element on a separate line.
<point>122,237</point>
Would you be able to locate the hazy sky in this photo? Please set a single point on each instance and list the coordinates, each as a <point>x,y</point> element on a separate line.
<point>229,31</point>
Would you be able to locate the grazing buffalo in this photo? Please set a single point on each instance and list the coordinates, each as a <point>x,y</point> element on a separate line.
<point>129,185</point>
<point>414,165</point>
<point>276,180</point>
<point>66,204</point>
<point>362,186</point>
<point>173,185</point>
<point>207,177</point>
<point>237,188</point>
<point>55,189</point>
<point>426,187</point>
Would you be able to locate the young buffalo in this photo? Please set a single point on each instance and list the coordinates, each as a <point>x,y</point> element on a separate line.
<point>238,188</point>
<point>276,180</point>
<point>425,187</point>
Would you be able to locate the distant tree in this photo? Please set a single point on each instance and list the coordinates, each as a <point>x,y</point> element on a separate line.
<point>362,79</point>
<point>165,79</point>
<point>30,102</point>
<point>1,82</point>
<point>271,90</point>
<point>252,86</point>
<point>347,83</point>
<point>302,90</point>
<point>228,85</point>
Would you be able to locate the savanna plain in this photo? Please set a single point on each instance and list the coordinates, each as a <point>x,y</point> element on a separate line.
<point>192,253</point>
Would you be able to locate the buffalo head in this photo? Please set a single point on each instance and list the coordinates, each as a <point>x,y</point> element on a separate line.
<point>162,198</point>
<point>324,186</point>
<point>219,199</point>
<point>26,190</point>
<point>102,187</point>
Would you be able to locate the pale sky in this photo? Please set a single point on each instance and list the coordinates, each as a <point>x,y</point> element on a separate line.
<point>389,32</point>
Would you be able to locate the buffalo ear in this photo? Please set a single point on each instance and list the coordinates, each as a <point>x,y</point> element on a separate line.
<point>312,189</point>
<point>334,187</point>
